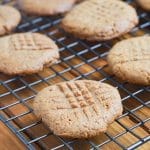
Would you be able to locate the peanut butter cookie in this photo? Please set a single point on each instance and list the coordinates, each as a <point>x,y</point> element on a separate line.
<point>9,19</point>
<point>98,20</point>
<point>130,60</point>
<point>45,7</point>
<point>26,53</point>
<point>78,109</point>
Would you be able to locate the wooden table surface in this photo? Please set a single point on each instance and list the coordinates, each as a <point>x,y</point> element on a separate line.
<point>9,141</point>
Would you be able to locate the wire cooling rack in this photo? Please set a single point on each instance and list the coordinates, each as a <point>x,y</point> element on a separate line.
<point>79,60</point>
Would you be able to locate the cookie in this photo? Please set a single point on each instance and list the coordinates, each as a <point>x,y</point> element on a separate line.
<point>98,20</point>
<point>9,19</point>
<point>45,7</point>
<point>26,53</point>
<point>78,109</point>
<point>145,4</point>
<point>130,60</point>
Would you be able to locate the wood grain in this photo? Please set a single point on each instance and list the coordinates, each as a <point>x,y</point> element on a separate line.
<point>8,140</point>
<point>51,141</point>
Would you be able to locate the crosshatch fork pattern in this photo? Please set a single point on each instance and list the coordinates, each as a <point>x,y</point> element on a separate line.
<point>79,60</point>
<point>28,42</point>
<point>75,95</point>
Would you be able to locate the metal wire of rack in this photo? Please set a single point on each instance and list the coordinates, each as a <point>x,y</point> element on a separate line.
<point>79,60</point>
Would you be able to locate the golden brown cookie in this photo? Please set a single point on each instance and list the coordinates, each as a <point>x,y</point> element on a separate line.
<point>46,7</point>
<point>26,53</point>
<point>9,19</point>
<point>130,60</point>
<point>78,109</point>
<point>145,4</point>
<point>97,20</point>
